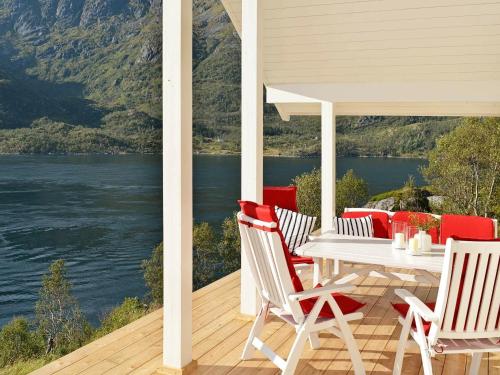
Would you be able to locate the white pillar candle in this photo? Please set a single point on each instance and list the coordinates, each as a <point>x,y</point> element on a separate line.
<point>399,240</point>
<point>413,245</point>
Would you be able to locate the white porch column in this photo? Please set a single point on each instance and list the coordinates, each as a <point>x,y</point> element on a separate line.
<point>252,118</point>
<point>328,165</point>
<point>177,186</point>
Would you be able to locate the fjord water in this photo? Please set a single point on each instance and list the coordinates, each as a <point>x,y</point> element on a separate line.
<point>102,214</point>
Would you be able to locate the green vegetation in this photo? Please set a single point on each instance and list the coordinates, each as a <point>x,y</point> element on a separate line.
<point>58,316</point>
<point>131,309</point>
<point>18,342</point>
<point>91,83</point>
<point>351,191</point>
<point>153,275</point>
<point>465,168</point>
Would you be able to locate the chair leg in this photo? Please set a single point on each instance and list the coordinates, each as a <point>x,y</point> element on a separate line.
<point>249,349</point>
<point>352,348</point>
<point>295,352</point>
<point>475,364</point>
<point>426,361</point>
<point>403,340</point>
<point>314,340</point>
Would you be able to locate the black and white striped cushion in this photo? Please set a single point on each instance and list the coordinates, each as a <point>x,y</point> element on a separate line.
<point>361,226</point>
<point>295,227</point>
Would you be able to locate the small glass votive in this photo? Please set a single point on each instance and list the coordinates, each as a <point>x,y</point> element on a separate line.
<point>399,233</point>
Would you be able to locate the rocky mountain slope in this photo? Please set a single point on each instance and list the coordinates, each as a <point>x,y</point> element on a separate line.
<point>85,76</point>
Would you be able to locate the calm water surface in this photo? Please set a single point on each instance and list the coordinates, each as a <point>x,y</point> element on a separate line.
<point>102,214</point>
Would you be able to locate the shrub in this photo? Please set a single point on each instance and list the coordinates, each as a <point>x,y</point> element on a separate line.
<point>153,274</point>
<point>230,245</point>
<point>131,309</point>
<point>351,191</point>
<point>309,194</point>
<point>205,255</point>
<point>18,343</point>
<point>412,198</point>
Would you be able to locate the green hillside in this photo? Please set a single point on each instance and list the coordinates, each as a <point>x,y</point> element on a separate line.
<point>85,76</point>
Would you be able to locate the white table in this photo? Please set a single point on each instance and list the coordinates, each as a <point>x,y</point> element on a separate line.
<point>372,251</point>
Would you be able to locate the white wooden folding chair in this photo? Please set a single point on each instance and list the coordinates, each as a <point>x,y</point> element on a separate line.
<point>263,248</point>
<point>465,317</point>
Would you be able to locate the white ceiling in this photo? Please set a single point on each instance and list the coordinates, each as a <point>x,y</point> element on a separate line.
<point>337,43</point>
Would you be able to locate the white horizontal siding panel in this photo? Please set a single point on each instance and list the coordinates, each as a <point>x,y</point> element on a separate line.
<point>399,4</point>
<point>370,61</point>
<point>390,9</point>
<point>471,51</point>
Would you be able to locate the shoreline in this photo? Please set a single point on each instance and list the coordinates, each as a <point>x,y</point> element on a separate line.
<point>217,154</point>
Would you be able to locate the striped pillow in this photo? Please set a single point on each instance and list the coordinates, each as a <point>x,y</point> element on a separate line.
<point>361,226</point>
<point>295,227</point>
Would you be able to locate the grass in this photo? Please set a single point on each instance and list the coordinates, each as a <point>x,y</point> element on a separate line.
<point>24,367</point>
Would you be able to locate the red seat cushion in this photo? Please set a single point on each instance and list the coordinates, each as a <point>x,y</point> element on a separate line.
<point>281,196</point>
<point>297,259</point>
<point>267,213</point>
<point>402,309</point>
<point>346,304</point>
<point>380,221</point>
<point>471,227</point>
<point>404,216</point>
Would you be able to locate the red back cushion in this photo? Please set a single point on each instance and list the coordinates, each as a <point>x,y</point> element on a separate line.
<point>404,216</point>
<point>267,213</point>
<point>281,196</point>
<point>471,227</point>
<point>380,221</point>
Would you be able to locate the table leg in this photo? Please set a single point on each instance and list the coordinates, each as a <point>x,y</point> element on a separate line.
<point>317,271</point>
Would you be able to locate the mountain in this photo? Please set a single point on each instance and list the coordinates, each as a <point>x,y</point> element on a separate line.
<point>85,76</point>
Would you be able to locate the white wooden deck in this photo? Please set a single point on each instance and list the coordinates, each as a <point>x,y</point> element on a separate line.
<point>219,335</point>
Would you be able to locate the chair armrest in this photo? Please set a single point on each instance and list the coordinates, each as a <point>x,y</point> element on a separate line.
<point>417,305</point>
<point>317,292</point>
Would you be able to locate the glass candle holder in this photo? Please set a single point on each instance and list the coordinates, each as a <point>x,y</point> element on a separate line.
<point>413,243</point>
<point>399,234</point>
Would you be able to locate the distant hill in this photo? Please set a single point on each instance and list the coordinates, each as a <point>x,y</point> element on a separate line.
<point>85,76</point>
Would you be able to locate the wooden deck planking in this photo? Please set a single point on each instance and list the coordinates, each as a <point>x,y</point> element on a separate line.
<point>219,335</point>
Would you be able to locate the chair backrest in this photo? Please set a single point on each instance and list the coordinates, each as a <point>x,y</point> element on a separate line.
<point>468,299</point>
<point>477,227</point>
<point>264,251</point>
<point>281,196</point>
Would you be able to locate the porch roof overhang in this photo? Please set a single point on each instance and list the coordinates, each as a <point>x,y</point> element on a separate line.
<point>384,57</point>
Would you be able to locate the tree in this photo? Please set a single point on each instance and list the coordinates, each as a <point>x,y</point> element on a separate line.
<point>351,191</point>
<point>153,274</point>
<point>465,167</point>
<point>18,343</point>
<point>58,316</point>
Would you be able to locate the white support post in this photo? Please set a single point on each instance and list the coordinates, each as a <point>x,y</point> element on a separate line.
<point>177,186</point>
<point>328,176</point>
<point>252,118</point>
<point>328,165</point>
